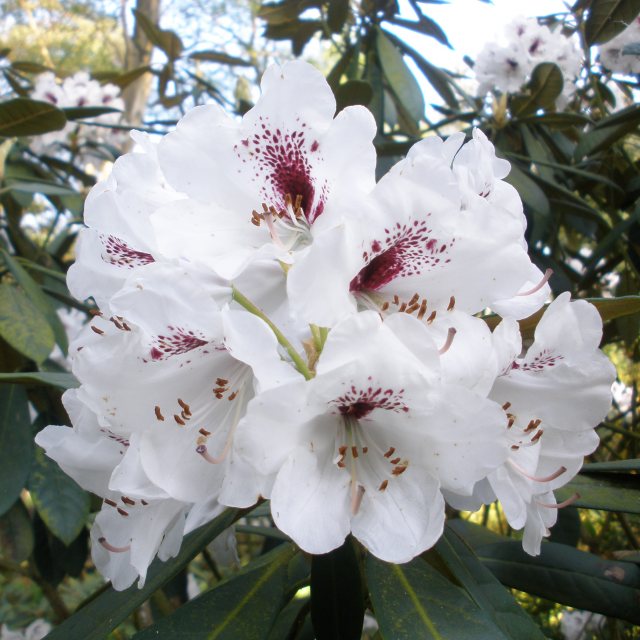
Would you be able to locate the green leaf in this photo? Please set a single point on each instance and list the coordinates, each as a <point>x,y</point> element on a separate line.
<point>613,492</point>
<point>16,444</point>
<point>24,117</point>
<point>243,606</point>
<point>105,612</point>
<point>615,466</point>
<point>22,324</point>
<point>166,40</point>
<point>337,14</point>
<point>556,120</point>
<point>564,574</point>
<point>532,194</point>
<point>607,18</point>
<point>77,113</point>
<point>544,87</point>
<point>16,534</point>
<point>25,66</point>
<point>425,26</point>
<point>399,76</point>
<point>337,594</point>
<point>484,588</point>
<point>46,188</point>
<point>52,379</point>
<point>38,298</point>
<point>222,58</point>
<point>122,80</point>
<point>61,503</point>
<point>353,92</point>
<point>608,131</point>
<point>414,600</point>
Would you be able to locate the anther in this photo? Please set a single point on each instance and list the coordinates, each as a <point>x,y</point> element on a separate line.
<point>396,300</point>
<point>447,344</point>
<point>179,420</point>
<point>221,382</point>
<point>452,303</point>
<point>390,452</point>
<point>96,330</point>
<point>184,405</point>
<point>233,396</point>
<point>412,307</point>
<point>383,485</point>
<point>512,419</point>
<point>111,503</point>
<point>127,500</point>
<point>506,405</point>
<point>547,274</point>
<point>159,413</point>
<point>414,299</point>
<point>399,470</point>
<point>354,451</point>
<point>561,505</point>
<point>537,436</point>
<point>110,547</point>
<point>122,512</point>
<point>423,309</point>
<point>204,432</point>
<point>365,449</point>
<point>432,317</point>
<point>385,306</point>
<point>403,306</point>
<point>342,450</point>
<point>144,502</point>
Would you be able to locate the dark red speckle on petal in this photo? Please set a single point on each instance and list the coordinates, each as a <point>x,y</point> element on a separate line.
<point>357,403</point>
<point>120,254</point>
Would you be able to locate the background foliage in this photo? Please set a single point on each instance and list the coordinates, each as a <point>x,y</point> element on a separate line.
<point>577,171</point>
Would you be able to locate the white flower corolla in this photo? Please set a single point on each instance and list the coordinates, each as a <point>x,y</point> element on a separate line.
<point>37,630</point>
<point>435,233</point>
<point>553,397</point>
<point>263,185</point>
<point>367,445</point>
<point>78,90</point>
<point>507,67</point>
<point>622,53</point>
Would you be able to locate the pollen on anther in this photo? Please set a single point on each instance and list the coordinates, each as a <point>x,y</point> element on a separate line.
<point>179,420</point>
<point>233,396</point>
<point>204,432</point>
<point>506,405</point>
<point>423,309</point>
<point>96,330</point>
<point>122,512</point>
<point>159,414</point>
<point>127,500</point>
<point>452,303</point>
<point>385,306</point>
<point>221,382</point>
<point>383,485</point>
<point>395,461</point>
<point>111,503</point>
<point>390,452</point>
<point>432,317</point>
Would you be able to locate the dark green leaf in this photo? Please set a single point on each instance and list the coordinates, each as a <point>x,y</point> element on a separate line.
<point>78,113</point>
<point>16,444</point>
<point>564,574</point>
<point>16,534</point>
<point>244,606</point>
<point>532,195</point>
<point>61,503</point>
<point>556,120</point>
<point>24,117</point>
<point>607,18</point>
<point>52,379</point>
<point>122,80</point>
<point>414,600</point>
<point>399,77</point>
<point>95,620</point>
<point>222,58</point>
<point>426,26</point>
<point>613,492</point>
<point>615,466</point>
<point>543,89</point>
<point>38,298</point>
<point>353,92</point>
<point>22,324</point>
<point>46,188</point>
<point>337,594</point>
<point>26,66</point>
<point>337,14</point>
<point>484,588</point>
<point>608,131</point>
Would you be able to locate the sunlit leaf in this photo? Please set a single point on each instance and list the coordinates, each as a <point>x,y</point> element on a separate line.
<point>24,117</point>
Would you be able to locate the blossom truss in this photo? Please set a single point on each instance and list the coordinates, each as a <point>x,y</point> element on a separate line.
<point>507,67</point>
<point>76,91</point>
<point>622,53</point>
<point>274,324</point>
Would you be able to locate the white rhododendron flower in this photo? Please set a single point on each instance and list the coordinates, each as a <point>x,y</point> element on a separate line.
<point>506,68</point>
<point>622,53</point>
<point>76,91</point>
<point>274,324</point>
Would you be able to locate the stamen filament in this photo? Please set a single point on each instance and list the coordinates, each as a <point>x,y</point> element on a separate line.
<point>547,274</point>
<point>561,505</point>
<point>549,478</point>
<point>110,547</point>
<point>445,347</point>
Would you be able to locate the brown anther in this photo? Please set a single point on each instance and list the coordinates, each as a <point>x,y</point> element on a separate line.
<point>385,306</point>
<point>537,436</point>
<point>96,330</point>
<point>255,222</point>
<point>396,300</point>
<point>341,464</point>
<point>218,395</point>
<point>184,405</point>
<point>423,309</point>
<point>452,303</point>
<point>144,502</point>
<point>414,299</point>
<point>179,420</point>
<point>298,203</point>
<point>390,452</point>
<point>111,503</point>
<point>511,421</point>
<point>403,306</point>
<point>432,317</point>
<point>395,461</point>
<point>127,500</point>
<point>233,396</point>
<point>184,415</point>
<point>342,450</point>
<point>116,323</point>
<point>204,432</point>
<point>506,405</point>
<point>122,512</point>
<point>383,485</point>
<point>159,413</point>
<point>354,452</point>
<point>126,327</point>
<point>219,389</point>
<point>365,449</point>
<point>411,308</point>
<point>514,447</point>
<point>221,382</point>
<point>399,470</point>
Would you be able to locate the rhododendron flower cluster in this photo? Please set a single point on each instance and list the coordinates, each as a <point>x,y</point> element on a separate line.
<point>275,324</point>
<point>622,53</point>
<point>507,67</point>
<point>78,90</point>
